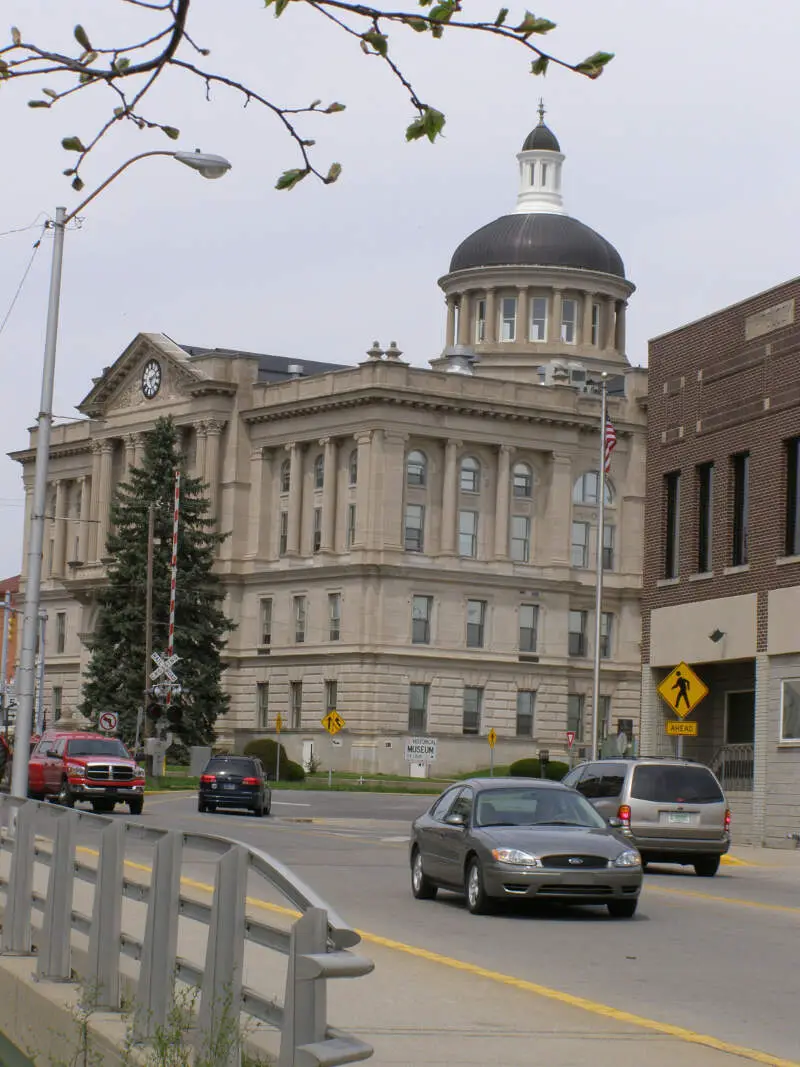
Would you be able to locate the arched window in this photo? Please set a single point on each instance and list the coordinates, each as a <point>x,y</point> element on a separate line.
<point>285,476</point>
<point>522,481</point>
<point>587,489</point>
<point>319,471</point>
<point>416,469</point>
<point>470,475</point>
<point>353,466</point>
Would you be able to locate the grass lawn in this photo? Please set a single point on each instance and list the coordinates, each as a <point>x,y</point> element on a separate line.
<point>177,779</point>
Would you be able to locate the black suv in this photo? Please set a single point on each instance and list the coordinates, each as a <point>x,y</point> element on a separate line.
<point>234,782</point>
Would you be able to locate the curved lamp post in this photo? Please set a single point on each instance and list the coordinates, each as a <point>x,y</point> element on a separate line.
<point>208,166</point>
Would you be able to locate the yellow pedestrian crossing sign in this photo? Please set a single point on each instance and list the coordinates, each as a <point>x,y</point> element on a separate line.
<point>491,737</point>
<point>279,722</point>
<point>682,690</point>
<point>333,722</point>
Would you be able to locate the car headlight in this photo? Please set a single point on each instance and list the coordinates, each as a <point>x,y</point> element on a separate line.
<point>516,856</point>
<point>139,772</point>
<point>629,858</point>
<point>76,770</point>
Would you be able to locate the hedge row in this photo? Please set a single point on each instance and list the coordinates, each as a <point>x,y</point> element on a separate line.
<point>532,768</point>
<point>266,749</point>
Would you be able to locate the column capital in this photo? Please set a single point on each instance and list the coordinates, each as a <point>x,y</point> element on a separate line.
<point>95,447</point>
<point>508,450</point>
<point>257,453</point>
<point>214,427</point>
<point>454,443</point>
<point>107,445</point>
<point>363,437</point>
<point>325,441</point>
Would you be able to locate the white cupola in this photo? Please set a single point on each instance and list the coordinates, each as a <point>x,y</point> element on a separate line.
<point>540,163</point>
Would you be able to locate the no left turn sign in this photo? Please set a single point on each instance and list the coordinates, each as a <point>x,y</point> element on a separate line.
<point>108,721</point>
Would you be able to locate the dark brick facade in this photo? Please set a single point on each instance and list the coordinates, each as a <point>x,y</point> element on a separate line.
<point>713,393</point>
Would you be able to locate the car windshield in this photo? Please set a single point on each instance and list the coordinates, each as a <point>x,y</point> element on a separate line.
<point>97,746</point>
<point>231,766</point>
<point>532,806</point>
<point>675,785</point>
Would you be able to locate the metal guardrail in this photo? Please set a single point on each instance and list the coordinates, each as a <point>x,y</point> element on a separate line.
<point>733,765</point>
<point>317,944</point>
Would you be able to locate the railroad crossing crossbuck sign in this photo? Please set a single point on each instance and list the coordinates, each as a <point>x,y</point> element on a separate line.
<point>682,690</point>
<point>333,722</point>
<point>164,666</point>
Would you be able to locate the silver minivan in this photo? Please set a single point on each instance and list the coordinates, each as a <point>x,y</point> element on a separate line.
<point>672,810</point>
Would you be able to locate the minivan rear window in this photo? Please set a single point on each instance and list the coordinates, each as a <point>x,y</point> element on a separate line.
<point>232,766</point>
<point>675,785</point>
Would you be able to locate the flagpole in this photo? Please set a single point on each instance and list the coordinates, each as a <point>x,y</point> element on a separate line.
<point>598,606</point>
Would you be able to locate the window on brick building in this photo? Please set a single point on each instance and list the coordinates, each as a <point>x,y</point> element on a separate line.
<point>740,473</point>
<point>705,516</point>
<point>672,532</point>
<point>792,546</point>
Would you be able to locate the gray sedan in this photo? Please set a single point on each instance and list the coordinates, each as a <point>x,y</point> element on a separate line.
<point>502,838</point>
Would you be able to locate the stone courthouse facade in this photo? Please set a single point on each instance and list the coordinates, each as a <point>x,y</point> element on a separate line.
<point>413,547</point>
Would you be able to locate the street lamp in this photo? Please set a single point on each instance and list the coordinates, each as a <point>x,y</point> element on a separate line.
<point>208,166</point>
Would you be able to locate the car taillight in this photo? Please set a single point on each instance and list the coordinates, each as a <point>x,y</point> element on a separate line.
<point>206,779</point>
<point>624,815</point>
<point>727,820</point>
<point>249,781</point>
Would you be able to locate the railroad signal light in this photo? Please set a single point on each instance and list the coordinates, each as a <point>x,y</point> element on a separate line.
<point>154,712</point>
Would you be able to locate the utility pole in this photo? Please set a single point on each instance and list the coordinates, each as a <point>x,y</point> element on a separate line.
<point>598,604</point>
<point>40,678</point>
<point>4,661</point>
<point>148,616</point>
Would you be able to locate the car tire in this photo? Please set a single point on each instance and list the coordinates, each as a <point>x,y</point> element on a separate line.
<point>267,808</point>
<point>421,886</point>
<point>32,795</point>
<point>202,807</point>
<point>622,909</point>
<point>706,866</point>
<point>478,903</point>
<point>258,811</point>
<point>136,807</point>
<point>65,796</point>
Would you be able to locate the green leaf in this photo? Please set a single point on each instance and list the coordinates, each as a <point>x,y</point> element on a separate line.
<point>429,124</point>
<point>308,144</point>
<point>38,103</point>
<point>442,12</point>
<point>82,37</point>
<point>331,109</point>
<point>502,15</point>
<point>531,24</point>
<point>437,29</point>
<point>333,173</point>
<point>73,144</point>
<point>171,132</point>
<point>418,24</point>
<point>379,41</point>
<point>51,93</point>
<point>88,58</point>
<point>290,178</point>
<point>3,65</point>
<point>69,171</point>
<point>280,7</point>
<point>121,64</point>
<point>595,64</point>
<point>540,65</point>
<point>314,105</point>
<point>77,184</point>
<point>119,112</point>
<point>85,78</point>
<point>16,36</point>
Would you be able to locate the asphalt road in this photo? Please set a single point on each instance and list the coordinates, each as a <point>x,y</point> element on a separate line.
<point>715,956</point>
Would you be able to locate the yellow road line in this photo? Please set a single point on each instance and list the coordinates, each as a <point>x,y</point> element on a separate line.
<point>734,861</point>
<point>716,899</point>
<point>593,1007</point>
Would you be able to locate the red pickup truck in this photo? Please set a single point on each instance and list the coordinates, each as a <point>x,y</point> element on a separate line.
<point>82,766</point>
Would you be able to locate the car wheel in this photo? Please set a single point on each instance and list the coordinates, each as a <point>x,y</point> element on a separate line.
<point>65,797</point>
<point>421,886</point>
<point>258,810</point>
<point>202,806</point>
<point>267,808</point>
<point>622,909</point>
<point>478,902</point>
<point>706,866</point>
<point>136,807</point>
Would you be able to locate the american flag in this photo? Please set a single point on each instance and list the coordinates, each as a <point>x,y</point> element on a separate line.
<point>610,443</point>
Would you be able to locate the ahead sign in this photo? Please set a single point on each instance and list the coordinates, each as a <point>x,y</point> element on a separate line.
<point>420,749</point>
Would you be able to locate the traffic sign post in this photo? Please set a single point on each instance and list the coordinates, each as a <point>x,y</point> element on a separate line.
<point>333,723</point>
<point>278,728</point>
<point>570,743</point>
<point>491,737</point>
<point>682,690</point>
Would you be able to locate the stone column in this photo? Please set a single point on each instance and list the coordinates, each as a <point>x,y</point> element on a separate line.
<point>393,449</point>
<point>763,740</point>
<point>610,329</point>
<point>464,318</point>
<point>93,552</point>
<point>450,498</point>
<point>619,332</point>
<point>328,542</point>
<point>130,455</point>
<point>104,496</point>
<point>254,537</point>
<point>502,501</point>
<point>451,321</point>
<point>491,315</point>
<point>83,526</point>
<point>651,722</point>
<point>211,476</point>
<point>588,302</point>
<point>200,452</point>
<point>296,497</point>
<point>554,324</point>
<point>60,531</point>
<point>559,509</point>
<point>364,442</point>
<point>523,314</point>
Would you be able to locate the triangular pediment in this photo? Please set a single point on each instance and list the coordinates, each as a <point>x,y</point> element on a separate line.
<point>119,387</point>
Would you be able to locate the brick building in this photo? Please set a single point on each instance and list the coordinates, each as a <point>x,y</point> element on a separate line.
<point>721,585</point>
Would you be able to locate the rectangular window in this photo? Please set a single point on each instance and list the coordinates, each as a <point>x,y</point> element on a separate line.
<point>284,533</point>
<point>609,534</point>
<point>575,715</point>
<point>672,530</point>
<point>526,702</point>
<point>740,469</point>
<point>705,516</point>
<point>793,497</point>
<point>299,619</point>
<point>262,704</point>
<point>508,318</point>
<point>468,533</point>
<point>606,634</point>
<point>266,622</point>
<point>580,544</point>
<point>476,622</point>
<point>605,717</point>
<point>520,538</point>
<point>790,709</point>
<point>569,321</point>
<point>418,708</point>
<point>61,631</point>
<point>351,525</point>
<point>577,633</point>
<point>58,701</point>
<point>421,611</point>
<point>596,325</point>
<point>528,626</point>
<point>331,695</point>
<point>334,616</point>
<point>480,321</point>
<point>296,696</point>
<point>317,529</point>
<point>539,318</point>
<point>473,704</point>
<point>415,528</point>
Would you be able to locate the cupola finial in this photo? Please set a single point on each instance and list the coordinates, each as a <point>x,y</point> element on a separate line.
<point>541,111</point>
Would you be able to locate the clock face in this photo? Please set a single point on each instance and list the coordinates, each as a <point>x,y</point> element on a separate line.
<point>151,378</point>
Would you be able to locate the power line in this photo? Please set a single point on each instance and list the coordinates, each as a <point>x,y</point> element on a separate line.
<point>22,281</point>
<point>22,229</point>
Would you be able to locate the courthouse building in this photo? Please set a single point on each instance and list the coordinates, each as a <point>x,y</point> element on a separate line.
<point>412,546</point>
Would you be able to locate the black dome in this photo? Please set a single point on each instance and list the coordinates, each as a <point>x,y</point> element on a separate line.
<point>543,138</point>
<point>538,240</point>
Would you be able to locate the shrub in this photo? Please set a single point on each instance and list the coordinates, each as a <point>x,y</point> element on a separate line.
<point>266,749</point>
<point>531,768</point>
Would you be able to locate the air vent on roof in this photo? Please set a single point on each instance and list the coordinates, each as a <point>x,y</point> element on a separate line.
<point>295,370</point>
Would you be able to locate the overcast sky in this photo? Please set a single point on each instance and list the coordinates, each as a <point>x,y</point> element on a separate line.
<point>684,155</point>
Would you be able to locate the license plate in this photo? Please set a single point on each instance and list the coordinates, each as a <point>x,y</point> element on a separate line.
<point>230,785</point>
<point>680,817</point>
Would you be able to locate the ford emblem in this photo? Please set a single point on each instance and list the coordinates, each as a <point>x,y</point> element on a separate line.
<point>575,859</point>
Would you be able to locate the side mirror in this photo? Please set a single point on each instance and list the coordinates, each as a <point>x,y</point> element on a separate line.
<point>270,776</point>
<point>615,823</point>
<point>456,819</point>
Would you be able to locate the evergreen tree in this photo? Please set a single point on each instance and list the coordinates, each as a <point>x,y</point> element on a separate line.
<point>115,677</point>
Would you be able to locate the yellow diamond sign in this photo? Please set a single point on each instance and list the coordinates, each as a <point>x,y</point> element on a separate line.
<point>491,737</point>
<point>333,722</point>
<point>279,722</point>
<point>682,690</point>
